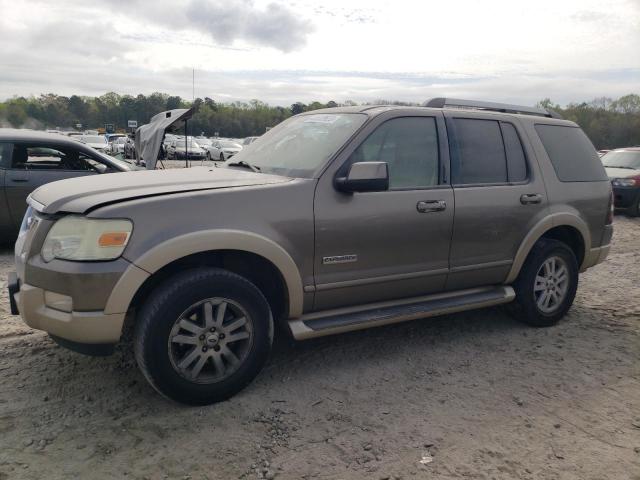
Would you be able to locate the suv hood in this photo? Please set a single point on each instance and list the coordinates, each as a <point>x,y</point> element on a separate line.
<point>77,195</point>
<point>613,172</point>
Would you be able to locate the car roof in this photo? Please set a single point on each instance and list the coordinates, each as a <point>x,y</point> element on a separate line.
<point>11,134</point>
<point>374,110</point>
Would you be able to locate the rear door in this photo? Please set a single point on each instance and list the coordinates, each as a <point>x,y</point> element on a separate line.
<point>499,192</point>
<point>33,165</point>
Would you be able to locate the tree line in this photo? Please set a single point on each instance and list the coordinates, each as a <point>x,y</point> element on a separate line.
<point>610,123</point>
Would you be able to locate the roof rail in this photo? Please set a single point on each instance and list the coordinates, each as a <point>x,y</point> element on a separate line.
<point>442,102</point>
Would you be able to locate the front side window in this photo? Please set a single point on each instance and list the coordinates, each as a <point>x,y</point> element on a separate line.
<point>41,157</point>
<point>409,146</point>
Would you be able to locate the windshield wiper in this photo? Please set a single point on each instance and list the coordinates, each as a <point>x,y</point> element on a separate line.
<point>620,166</point>
<point>245,164</point>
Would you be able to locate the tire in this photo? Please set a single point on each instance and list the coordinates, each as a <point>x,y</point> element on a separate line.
<point>634,210</point>
<point>169,355</point>
<point>530,304</point>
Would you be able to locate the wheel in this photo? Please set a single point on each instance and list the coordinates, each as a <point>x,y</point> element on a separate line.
<point>222,157</point>
<point>547,283</point>
<point>203,335</point>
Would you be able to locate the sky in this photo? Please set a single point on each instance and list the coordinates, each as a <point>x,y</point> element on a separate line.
<point>281,52</point>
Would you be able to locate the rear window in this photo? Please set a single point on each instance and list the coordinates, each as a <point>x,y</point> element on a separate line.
<point>572,154</point>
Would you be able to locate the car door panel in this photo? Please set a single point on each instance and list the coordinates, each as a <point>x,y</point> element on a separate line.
<point>375,246</point>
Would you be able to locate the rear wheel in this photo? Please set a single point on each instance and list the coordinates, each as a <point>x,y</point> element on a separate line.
<point>547,284</point>
<point>203,335</point>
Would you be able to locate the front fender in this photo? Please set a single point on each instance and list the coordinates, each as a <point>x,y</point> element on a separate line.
<point>205,241</point>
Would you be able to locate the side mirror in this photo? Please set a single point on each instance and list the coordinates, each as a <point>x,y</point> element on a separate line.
<point>365,177</point>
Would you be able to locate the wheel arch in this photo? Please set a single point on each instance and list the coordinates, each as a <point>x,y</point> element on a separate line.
<point>229,249</point>
<point>566,227</point>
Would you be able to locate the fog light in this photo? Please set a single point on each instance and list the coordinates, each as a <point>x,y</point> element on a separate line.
<point>57,301</point>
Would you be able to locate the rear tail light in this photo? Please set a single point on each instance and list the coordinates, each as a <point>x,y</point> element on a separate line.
<point>610,209</point>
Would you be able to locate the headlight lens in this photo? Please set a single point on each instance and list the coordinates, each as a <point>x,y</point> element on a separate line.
<point>80,238</point>
<point>625,182</point>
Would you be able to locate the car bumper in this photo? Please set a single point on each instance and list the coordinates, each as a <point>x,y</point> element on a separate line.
<point>79,327</point>
<point>625,197</point>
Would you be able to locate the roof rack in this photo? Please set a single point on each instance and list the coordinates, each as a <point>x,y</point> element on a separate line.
<point>491,106</point>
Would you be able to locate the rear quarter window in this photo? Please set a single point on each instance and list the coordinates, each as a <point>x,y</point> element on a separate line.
<point>572,154</point>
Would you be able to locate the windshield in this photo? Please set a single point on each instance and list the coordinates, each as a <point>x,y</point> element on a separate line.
<point>180,143</point>
<point>622,159</point>
<point>299,146</point>
<point>230,145</point>
<point>93,139</point>
<point>203,141</point>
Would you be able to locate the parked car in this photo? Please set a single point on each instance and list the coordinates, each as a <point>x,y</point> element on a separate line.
<point>29,159</point>
<point>623,168</point>
<point>337,220</point>
<point>129,148</point>
<point>97,142</point>
<point>249,141</point>
<point>178,151</point>
<point>223,150</point>
<point>117,145</point>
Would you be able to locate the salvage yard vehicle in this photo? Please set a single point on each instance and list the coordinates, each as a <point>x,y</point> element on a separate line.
<point>98,142</point>
<point>623,168</point>
<point>335,220</point>
<point>222,150</point>
<point>29,159</point>
<point>180,149</point>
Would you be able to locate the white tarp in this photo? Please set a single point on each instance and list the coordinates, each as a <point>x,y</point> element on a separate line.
<point>149,137</point>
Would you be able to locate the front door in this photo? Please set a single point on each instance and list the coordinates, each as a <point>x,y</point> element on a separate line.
<point>33,165</point>
<point>376,246</point>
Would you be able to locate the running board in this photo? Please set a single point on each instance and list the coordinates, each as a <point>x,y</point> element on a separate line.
<point>340,320</point>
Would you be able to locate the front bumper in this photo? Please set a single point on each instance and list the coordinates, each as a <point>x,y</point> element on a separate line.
<point>625,197</point>
<point>94,327</point>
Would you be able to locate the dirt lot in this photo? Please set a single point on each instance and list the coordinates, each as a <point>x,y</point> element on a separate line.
<point>474,395</point>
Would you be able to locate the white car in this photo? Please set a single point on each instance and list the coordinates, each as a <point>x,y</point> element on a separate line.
<point>98,142</point>
<point>223,150</point>
<point>117,145</point>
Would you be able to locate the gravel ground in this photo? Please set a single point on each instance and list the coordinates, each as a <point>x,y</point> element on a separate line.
<point>474,395</point>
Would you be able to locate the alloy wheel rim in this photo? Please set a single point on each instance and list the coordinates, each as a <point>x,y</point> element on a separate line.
<point>210,340</point>
<point>551,284</point>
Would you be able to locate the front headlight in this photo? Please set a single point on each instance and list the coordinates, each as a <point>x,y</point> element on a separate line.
<point>626,182</point>
<point>75,237</point>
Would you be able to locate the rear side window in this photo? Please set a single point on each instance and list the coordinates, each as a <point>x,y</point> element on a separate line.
<point>478,154</point>
<point>516,161</point>
<point>572,154</point>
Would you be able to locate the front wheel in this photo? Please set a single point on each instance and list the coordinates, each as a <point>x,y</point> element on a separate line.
<point>547,284</point>
<point>203,335</point>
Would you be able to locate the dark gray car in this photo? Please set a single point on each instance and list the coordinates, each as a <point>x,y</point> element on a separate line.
<point>29,159</point>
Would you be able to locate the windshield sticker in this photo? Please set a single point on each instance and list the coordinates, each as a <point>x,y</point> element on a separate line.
<point>321,119</point>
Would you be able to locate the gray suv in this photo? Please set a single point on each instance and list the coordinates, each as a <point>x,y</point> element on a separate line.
<point>335,220</point>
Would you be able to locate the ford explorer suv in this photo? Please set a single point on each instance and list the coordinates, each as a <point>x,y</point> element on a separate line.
<point>335,220</point>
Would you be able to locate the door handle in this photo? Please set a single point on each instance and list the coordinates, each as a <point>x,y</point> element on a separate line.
<point>530,198</point>
<point>19,179</point>
<point>431,206</point>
